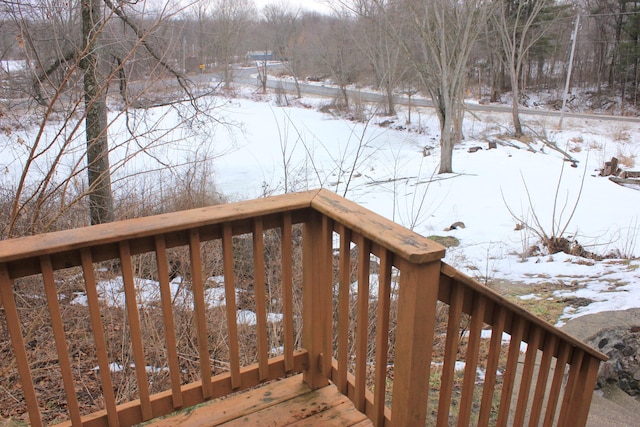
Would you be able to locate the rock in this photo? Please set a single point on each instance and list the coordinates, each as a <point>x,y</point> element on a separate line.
<point>622,346</point>
<point>619,340</point>
<point>456,225</point>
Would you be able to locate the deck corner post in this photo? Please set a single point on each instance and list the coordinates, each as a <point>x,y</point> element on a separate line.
<point>418,295</point>
<point>316,262</point>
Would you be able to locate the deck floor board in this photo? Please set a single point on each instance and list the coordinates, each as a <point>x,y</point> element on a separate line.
<point>287,402</point>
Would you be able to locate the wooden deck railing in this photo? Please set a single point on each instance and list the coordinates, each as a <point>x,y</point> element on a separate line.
<point>377,311</point>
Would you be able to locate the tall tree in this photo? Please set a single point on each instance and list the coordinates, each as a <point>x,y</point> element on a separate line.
<point>336,55</point>
<point>380,50</point>
<point>437,36</point>
<point>519,26</point>
<point>90,47</point>
<point>283,31</point>
<point>95,101</point>
<point>231,20</point>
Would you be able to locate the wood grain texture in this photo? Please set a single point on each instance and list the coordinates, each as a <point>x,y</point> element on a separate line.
<point>401,241</point>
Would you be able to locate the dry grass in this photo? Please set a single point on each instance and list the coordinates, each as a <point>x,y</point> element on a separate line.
<point>621,134</point>
<point>626,160</point>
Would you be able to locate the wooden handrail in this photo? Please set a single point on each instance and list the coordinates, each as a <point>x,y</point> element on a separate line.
<point>62,244</point>
<point>397,239</point>
<point>377,303</point>
<point>454,275</point>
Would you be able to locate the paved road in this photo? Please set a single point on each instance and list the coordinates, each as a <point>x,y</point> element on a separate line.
<point>247,76</point>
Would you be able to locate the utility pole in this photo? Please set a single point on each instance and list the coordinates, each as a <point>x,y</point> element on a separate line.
<point>574,36</point>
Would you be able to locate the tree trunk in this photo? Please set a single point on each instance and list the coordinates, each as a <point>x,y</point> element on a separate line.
<point>391,110</point>
<point>447,141</point>
<point>99,174</point>
<point>445,106</point>
<point>515,105</point>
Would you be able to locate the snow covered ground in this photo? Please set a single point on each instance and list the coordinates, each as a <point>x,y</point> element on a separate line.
<point>386,170</point>
<point>391,170</point>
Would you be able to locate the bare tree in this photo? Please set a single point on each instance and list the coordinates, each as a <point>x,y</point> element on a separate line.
<point>99,45</point>
<point>95,101</point>
<point>380,50</point>
<point>231,19</point>
<point>437,36</point>
<point>336,55</point>
<point>519,28</point>
<point>283,28</point>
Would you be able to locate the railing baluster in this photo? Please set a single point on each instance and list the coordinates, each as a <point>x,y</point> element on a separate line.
<point>473,346</point>
<point>570,390</point>
<point>535,335</point>
<point>326,289</point>
<point>382,337</point>
<point>98,337</point>
<point>583,391</point>
<point>230,298</point>
<point>287,290</point>
<point>362,321</point>
<point>168,321</point>
<point>556,384</point>
<point>517,330</point>
<point>450,352</point>
<point>135,330</point>
<point>260,295</point>
<point>493,358</point>
<point>197,282</point>
<point>59,337</point>
<point>550,346</point>
<point>344,282</point>
<point>19,351</point>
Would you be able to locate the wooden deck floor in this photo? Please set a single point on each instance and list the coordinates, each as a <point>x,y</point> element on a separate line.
<point>288,402</point>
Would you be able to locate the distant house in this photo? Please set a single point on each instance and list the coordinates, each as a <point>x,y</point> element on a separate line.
<point>260,55</point>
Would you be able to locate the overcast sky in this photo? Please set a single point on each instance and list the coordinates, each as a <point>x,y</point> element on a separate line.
<point>316,5</point>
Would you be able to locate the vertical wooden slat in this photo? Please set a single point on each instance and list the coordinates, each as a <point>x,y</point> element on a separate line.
<point>98,337</point>
<point>549,349</point>
<point>556,384</point>
<point>344,279</point>
<point>57,326</point>
<point>19,351</point>
<point>473,348</point>
<point>312,300</point>
<point>362,322</point>
<point>493,358</point>
<point>517,330</point>
<point>200,309</point>
<point>168,321</point>
<point>382,338</point>
<point>260,296</point>
<point>584,390</point>
<point>570,391</point>
<point>418,294</point>
<point>535,336</point>
<point>287,290</point>
<point>135,330</point>
<point>450,352</point>
<point>326,283</point>
<point>230,297</point>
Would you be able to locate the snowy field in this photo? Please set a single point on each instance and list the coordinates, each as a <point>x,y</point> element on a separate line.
<point>386,170</point>
<point>272,149</point>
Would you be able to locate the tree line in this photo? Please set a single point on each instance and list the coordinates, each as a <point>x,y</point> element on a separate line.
<point>83,57</point>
